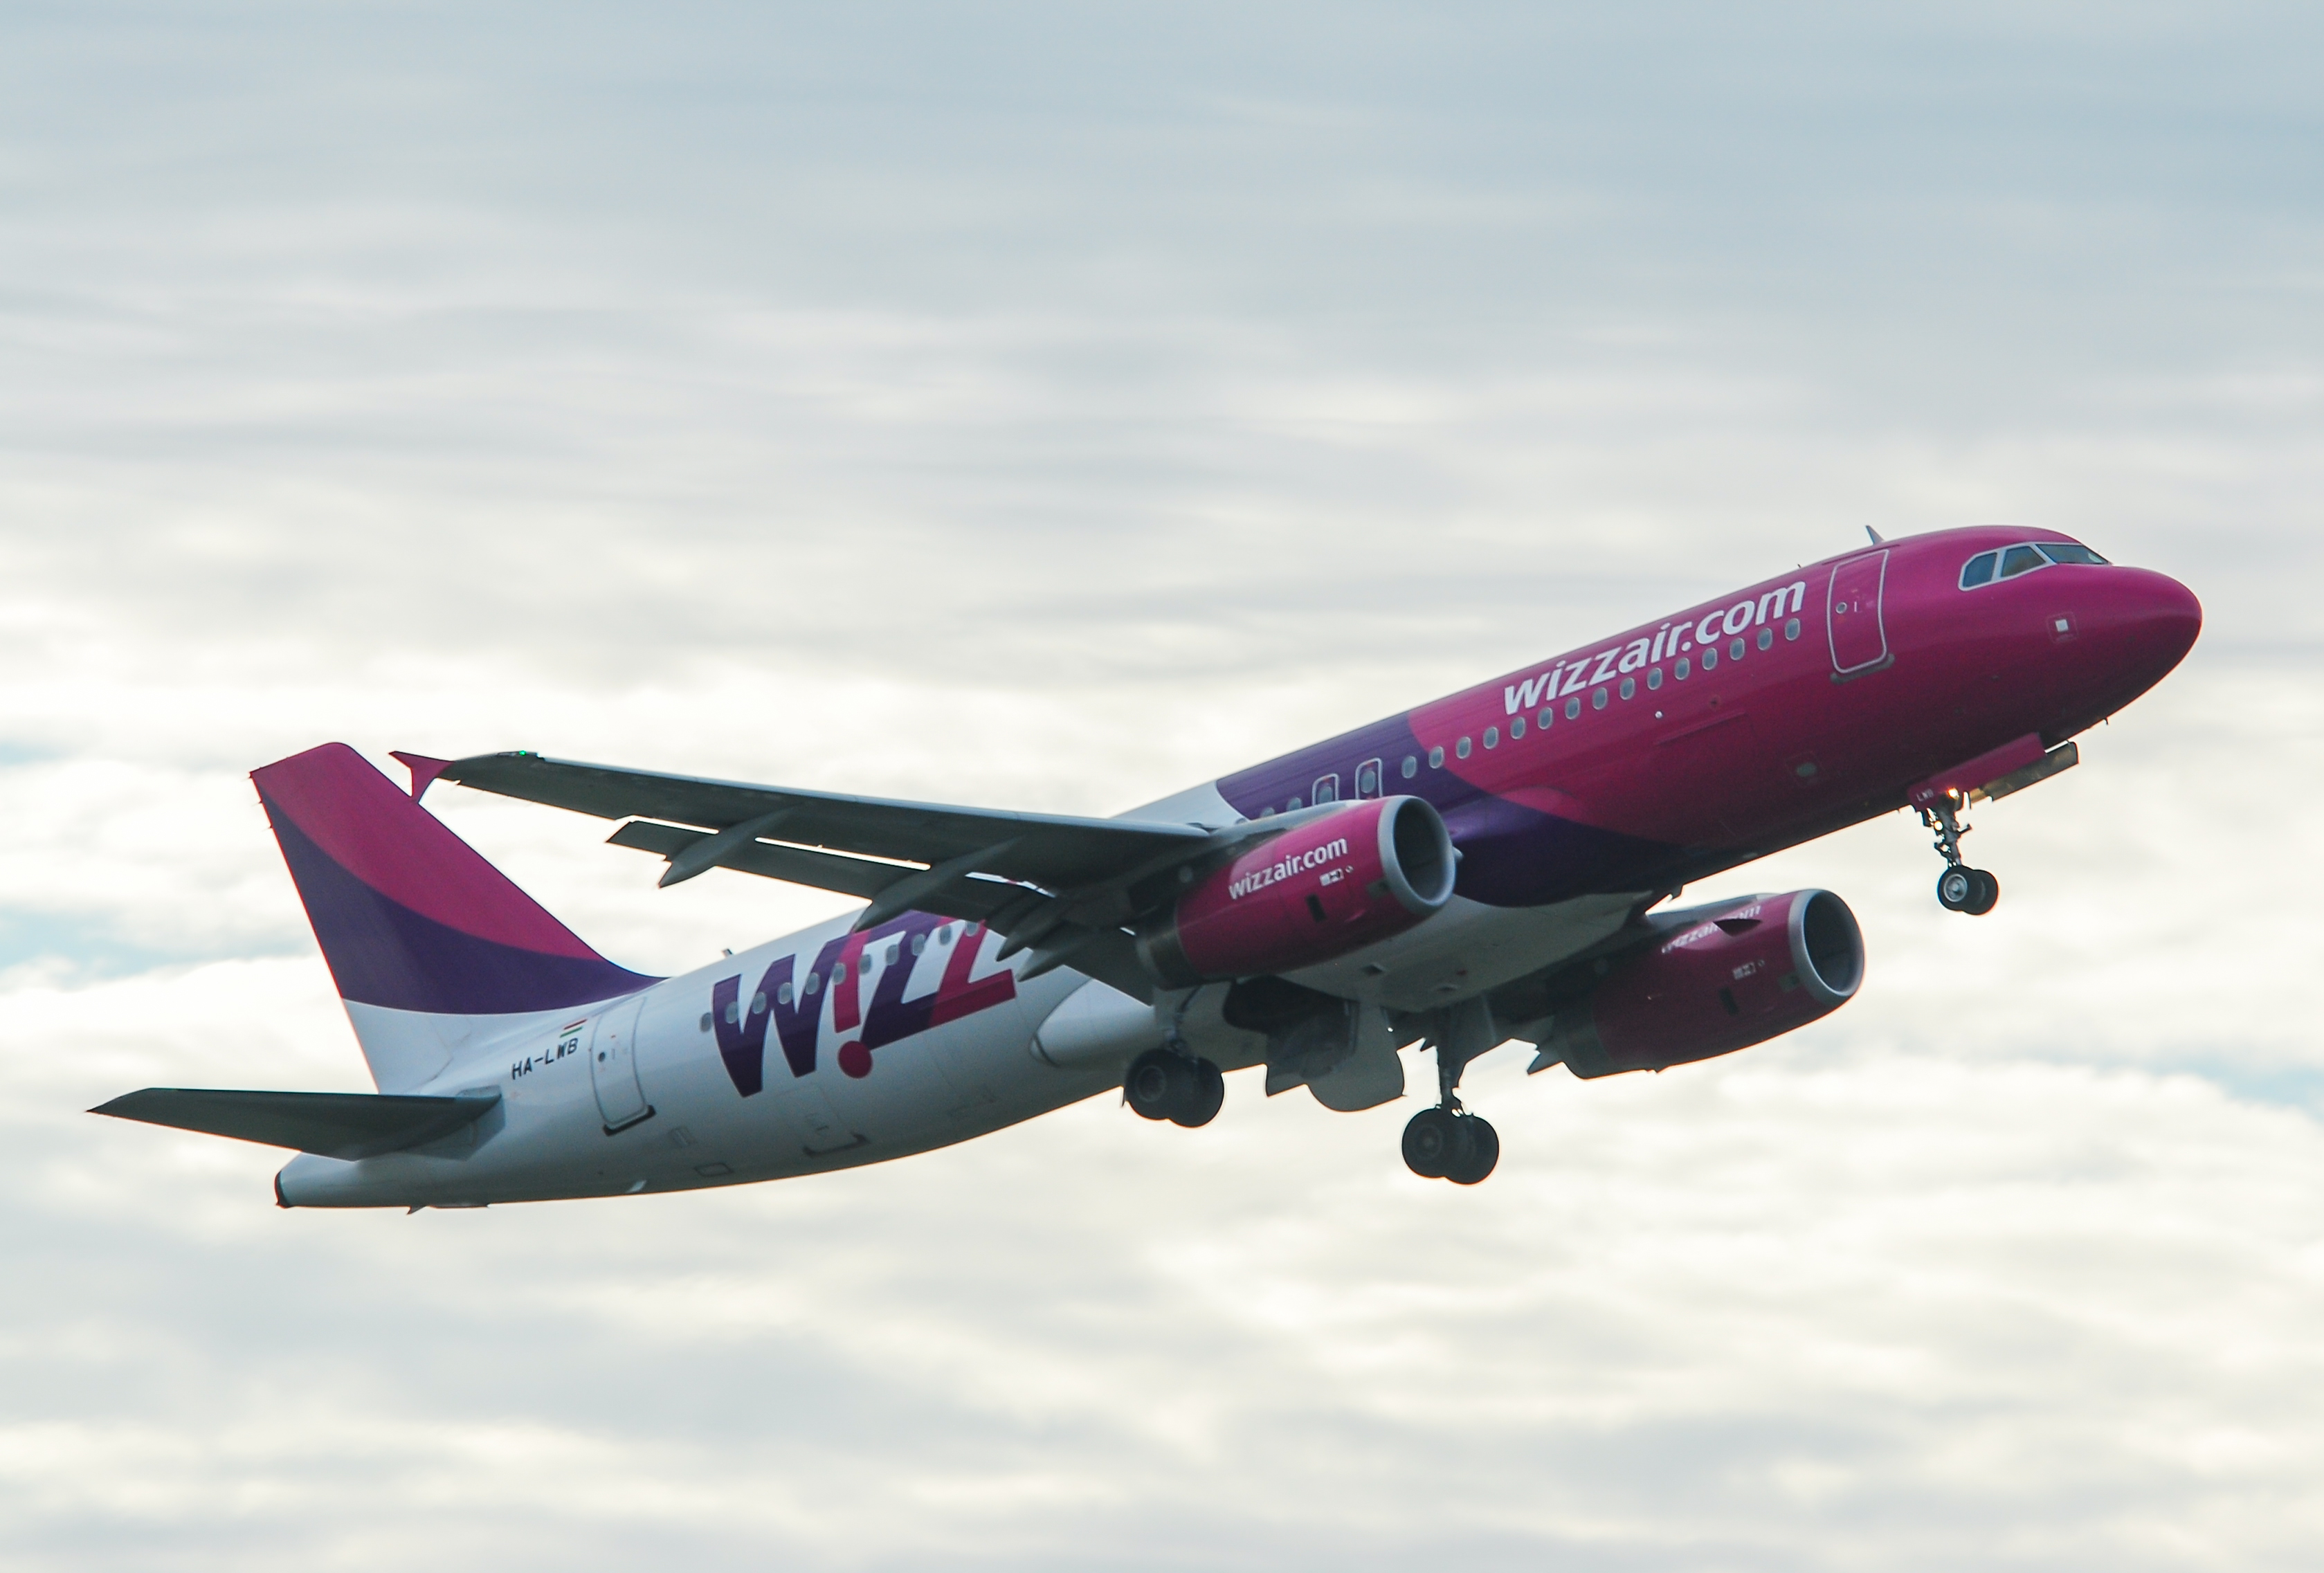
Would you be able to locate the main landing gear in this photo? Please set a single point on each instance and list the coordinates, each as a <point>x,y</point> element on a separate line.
<point>1447,1142</point>
<point>1959,888</point>
<point>1164,1084</point>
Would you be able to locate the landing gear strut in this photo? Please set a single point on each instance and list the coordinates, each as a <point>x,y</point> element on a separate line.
<point>1959,888</point>
<point>1163,1084</point>
<point>1447,1142</point>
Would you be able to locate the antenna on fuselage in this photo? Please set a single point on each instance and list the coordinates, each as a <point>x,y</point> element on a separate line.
<point>1877,539</point>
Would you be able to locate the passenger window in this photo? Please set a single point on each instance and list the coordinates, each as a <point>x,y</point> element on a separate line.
<point>2065,552</point>
<point>1516,728</point>
<point>1735,650</point>
<point>783,994</point>
<point>1980,570</point>
<point>1436,757</point>
<point>1367,779</point>
<point>2019,560</point>
<point>1654,678</point>
<point>1462,748</point>
<point>1597,699</point>
<point>920,944</point>
<point>1544,718</point>
<point>1294,803</point>
<point>1327,790</point>
<point>815,982</point>
<point>1792,629</point>
<point>1683,670</point>
<point>1411,766</point>
<point>1709,656</point>
<point>1573,707</point>
<point>1767,639</point>
<point>1492,737</point>
<point>1629,687</point>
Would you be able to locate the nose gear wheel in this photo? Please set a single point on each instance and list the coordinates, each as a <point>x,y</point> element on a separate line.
<point>1959,888</point>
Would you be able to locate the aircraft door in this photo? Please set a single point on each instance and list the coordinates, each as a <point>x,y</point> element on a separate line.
<point>1859,638</point>
<point>613,1067</point>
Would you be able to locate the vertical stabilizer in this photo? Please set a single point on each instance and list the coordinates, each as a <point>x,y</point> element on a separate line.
<point>422,935</point>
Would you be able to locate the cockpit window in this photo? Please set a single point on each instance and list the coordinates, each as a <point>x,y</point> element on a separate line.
<point>2062,552</point>
<point>1989,568</point>
<point>2019,560</point>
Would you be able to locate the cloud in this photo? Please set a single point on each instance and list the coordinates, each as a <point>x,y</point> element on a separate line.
<point>1051,408</point>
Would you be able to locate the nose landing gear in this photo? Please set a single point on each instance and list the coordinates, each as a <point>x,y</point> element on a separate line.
<point>1448,1143</point>
<point>1959,888</point>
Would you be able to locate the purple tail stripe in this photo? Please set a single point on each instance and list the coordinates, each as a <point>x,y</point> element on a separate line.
<point>456,958</point>
<point>355,816</point>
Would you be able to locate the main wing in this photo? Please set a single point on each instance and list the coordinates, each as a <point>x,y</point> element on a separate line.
<point>1065,884</point>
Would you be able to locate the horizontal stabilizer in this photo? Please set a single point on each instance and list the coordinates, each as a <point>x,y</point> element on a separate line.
<point>334,1125</point>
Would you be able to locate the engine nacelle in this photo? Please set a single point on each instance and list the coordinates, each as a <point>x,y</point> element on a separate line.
<point>1737,978</point>
<point>1314,893</point>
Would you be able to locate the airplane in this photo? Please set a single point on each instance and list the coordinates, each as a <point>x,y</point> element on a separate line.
<point>1489,866</point>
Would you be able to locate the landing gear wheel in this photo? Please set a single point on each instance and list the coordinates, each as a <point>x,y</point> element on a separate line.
<point>1987,895</point>
<point>1209,1092</point>
<point>1957,887</point>
<point>1161,1085</point>
<point>1484,1152</point>
<point>1433,1142</point>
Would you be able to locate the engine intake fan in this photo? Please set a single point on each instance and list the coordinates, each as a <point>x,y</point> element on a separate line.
<point>1739,977</point>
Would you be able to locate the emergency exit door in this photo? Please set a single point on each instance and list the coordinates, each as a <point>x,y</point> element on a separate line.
<point>613,1067</point>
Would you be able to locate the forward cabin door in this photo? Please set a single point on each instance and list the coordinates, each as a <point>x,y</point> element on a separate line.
<point>614,1066</point>
<point>1860,640</point>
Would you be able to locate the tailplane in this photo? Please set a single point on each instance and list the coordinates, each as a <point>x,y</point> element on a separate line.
<point>426,941</point>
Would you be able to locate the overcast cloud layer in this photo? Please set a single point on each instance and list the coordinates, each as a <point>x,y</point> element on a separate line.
<point>1053,407</point>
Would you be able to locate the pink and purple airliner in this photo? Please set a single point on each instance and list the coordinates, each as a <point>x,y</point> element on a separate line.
<point>1497,865</point>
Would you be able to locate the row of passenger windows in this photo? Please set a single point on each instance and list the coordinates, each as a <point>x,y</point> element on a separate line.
<point>814,983</point>
<point>1992,567</point>
<point>1368,775</point>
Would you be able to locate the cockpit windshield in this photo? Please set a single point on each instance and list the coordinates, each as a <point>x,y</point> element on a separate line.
<point>1989,568</point>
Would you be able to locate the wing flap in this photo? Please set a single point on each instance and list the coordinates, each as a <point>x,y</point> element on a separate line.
<point>864,878</point>
<point>334,1125</point>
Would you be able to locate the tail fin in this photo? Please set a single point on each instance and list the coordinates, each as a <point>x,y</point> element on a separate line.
<point>413,920</point>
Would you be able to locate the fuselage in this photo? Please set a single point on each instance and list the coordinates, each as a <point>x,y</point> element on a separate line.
<point>1578,790</point>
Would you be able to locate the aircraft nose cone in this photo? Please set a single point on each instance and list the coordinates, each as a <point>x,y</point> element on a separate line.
<point>2145,622</point>
<point>2166,618</point>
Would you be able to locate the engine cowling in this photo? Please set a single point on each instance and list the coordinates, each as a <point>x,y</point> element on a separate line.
<point>1737,977</point>
<point>1317,892</point>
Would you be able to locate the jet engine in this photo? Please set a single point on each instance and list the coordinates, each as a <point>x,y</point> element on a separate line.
<point>1316,892</point>
<point>1736,977</point>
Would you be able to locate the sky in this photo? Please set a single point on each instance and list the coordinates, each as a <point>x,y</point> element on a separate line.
<point>1053,407</point>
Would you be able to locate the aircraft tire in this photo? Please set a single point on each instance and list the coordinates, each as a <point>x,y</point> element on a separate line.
<point>1985,896</point>
<point>1484,1152</point>
<point>1210,1093</point>
<point>1160,1085</point>
<point>1957,887</point>
<point>1435,1140</point>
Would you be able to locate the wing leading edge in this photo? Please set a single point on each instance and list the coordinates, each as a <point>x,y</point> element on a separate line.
<point>1063,884</point>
